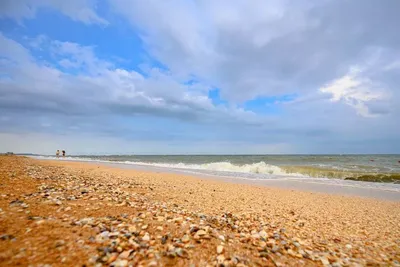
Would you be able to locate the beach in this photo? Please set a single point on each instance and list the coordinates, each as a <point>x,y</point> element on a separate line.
<point>65,213</point>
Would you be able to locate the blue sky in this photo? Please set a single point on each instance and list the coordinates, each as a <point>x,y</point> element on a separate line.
<point>199,76</point>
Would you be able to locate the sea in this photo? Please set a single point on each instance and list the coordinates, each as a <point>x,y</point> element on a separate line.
<point>360,168</point>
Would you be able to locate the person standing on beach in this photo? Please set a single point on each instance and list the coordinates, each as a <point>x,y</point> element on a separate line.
<point>58,153</point>
<point>63,153</point>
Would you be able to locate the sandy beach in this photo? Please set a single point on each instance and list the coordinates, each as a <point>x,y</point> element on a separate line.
<point>383,191</point>
<point>73,214</point>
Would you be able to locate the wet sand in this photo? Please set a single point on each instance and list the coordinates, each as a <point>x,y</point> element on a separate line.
<point>72,213</point>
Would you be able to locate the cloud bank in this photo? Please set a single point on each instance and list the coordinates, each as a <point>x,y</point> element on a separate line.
<point>263,76</point>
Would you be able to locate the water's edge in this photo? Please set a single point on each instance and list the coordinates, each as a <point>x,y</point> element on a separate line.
<point>380,191</point>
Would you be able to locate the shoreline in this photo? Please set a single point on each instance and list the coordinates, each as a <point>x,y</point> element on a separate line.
<point>357,169</point>
<point>346,188</point>
<point>316,185</point>
<point>72,213</point>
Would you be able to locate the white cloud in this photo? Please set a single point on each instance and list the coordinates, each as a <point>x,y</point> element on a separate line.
<point>76,56</point>
<point>259,48</point>
<point>224,43</point>
<point>99,86</point>
<point>78,10</point>
<point>356,91</point>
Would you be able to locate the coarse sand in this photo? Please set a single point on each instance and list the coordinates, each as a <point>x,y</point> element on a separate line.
<point>73,214</point>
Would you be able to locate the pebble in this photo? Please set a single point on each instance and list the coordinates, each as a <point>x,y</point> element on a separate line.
<point>105,234</point>
<point>296,244</point>
<point>119,263</point>
<point>271,242</point>
<point>181,253</point>
<point>275,249</point>
<point>178,220</point>
<point>255,236</point>
<point>7,237</point>
<point>125,254</point>
<point>146,237</point>
<point>40,222</point>
<point>60,243</point>
<point>125,239</point>
<point>291,252</point>
<point>112,258</point>
<point>185,239</point>
<point>263,234</point>
<point>220,259</point>
<point>325,261</point>
<point>201,232</point>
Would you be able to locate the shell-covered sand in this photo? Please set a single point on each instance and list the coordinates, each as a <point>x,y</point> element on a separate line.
<point>73,214</point>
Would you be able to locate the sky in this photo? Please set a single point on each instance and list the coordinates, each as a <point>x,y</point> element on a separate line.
<point>200,76</point>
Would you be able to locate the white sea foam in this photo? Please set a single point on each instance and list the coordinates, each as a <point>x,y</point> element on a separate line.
<point>255,171</point>
<point>254,168</point>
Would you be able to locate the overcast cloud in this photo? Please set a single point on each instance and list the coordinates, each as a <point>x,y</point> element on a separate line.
<point>202,76</point>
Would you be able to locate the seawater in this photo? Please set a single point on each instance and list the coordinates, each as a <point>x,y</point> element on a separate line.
<point>373,168</point>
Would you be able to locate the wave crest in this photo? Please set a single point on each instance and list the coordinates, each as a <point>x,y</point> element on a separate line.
<point>258,168</point>
<point>263,169</point>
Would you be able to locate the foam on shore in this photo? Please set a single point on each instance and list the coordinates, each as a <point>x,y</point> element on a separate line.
<point>300,182</point>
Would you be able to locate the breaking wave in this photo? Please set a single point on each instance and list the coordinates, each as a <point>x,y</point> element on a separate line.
<point>264,169</point>
<point>256,168</point>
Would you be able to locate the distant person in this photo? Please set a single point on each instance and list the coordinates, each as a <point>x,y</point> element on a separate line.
<point>58,153</point>
<point>63,153</point>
